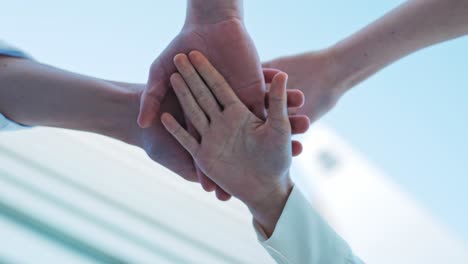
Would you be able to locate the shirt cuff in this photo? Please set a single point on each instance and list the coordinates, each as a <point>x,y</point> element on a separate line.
<point>302,236</point>
<point>11,51</point>
<point>8,125</point>
<point>8,50</point>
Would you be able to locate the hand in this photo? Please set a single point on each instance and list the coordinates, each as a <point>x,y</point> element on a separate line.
<point>228,46</point>
<point>315,74</point>
<point>231,50</point>
<point>165,150</point>
<point>248,157</point>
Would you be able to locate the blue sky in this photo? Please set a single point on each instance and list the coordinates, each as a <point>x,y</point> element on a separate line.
<point>410,119</point>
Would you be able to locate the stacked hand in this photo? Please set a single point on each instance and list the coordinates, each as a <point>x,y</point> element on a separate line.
<point>322,89</point>
<point>228,46</point>
<point>245,155</point>
<point>165,150</point>
<point>223,128</point>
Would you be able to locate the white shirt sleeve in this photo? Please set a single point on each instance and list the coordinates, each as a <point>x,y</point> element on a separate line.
<point>301,236</point>
<point>8,125</point>
<point>7,50</point>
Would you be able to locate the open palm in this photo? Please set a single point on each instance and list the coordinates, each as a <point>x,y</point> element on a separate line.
<point>161,146</point>
<point>239,151</point>
<point>230,48</point>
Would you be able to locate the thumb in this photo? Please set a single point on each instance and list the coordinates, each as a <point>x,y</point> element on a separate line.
<point>278,109</point>
<point>151,99</point>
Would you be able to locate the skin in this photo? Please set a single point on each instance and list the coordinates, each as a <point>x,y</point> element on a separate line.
<point>247,156</point>
<point>215,28</point>
<point>326,75</point>
<point>35,94</point>
<point>206,22</point>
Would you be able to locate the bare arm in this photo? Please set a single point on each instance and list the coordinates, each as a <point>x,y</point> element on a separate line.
<point>412,26</point>
<point>39,95</point>
<point>212,11</point>
<point>324,76</point>
<point>35,94</point>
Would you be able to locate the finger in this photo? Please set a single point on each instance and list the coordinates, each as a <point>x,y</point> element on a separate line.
<point>191,109</point>
<point>299,124</point>
<point>258,109</point>
<point>293,110</point>
<point>295,98</point>
<point>190,176</point>
<point>197,86</point>
<point>296,148</point>
<point>222,195</point>
<point>277,110</point>
<point>207,184</point>
<point>150,102</point>
<point>216,82</point>
<point>175,129</point>
<point>269,74</point>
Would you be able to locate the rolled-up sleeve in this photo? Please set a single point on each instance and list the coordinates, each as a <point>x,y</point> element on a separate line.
<point>302,236</point>
<point>8,50</point>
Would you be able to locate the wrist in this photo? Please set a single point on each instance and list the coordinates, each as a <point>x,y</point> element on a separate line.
<point>267,209</point>
<point>338,74</point>
<point>119,119</point>
<point>213,11</point>
<point>353,61</point>
<point>40,95</point>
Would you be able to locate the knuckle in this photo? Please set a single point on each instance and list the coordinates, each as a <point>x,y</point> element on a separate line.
<point>207,102</point>
<point>218,84</point>
<point>192,75</point>
<point>201,94</point>
<point>230,103</point>
<point>177,130</point>
<point>184,94</point>
<point>200,120</point>
<point>275,98</point>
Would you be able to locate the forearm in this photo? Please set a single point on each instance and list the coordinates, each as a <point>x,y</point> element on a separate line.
<point>212,11</point>
<point>412,26</point>
<point>39,95</point>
